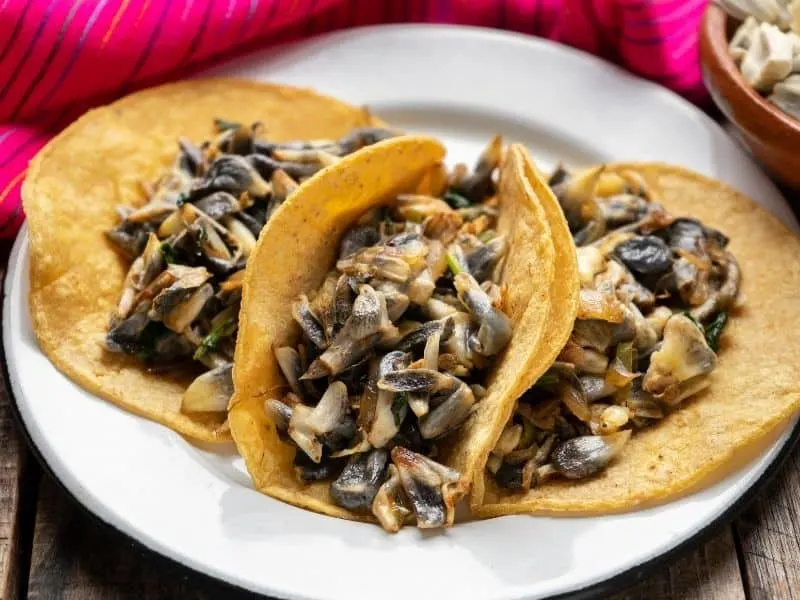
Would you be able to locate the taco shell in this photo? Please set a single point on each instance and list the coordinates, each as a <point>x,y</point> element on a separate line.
<point>305,233</point>
<point>753,390</point>
<point>70,194</point>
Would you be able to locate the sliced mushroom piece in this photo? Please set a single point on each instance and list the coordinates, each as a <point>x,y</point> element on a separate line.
<point>312,428</point>
<point>573,193</point>
<point>218,205</point>
<point>191,157</point>
<point>234,174</point>
<point>312,156</point>
<point>419,336</point>
<point>210,392</point>
<point>266,166</point>
<point>364,136</point>
<point>595,388</point>
<point>599,305</point>
<point>309,322</point>
<point>390,411</point>
<point>280,411</point>
<point>185,281</point>
<point>291,366</point>
<point>152,261</point>
<point>645,255</point>
<point>357,485</point>
<point>397,302</point>
<point>170,349</point>
<point>449,415</point>
<point>339,356</point>
<point>432,489</point>
<point>483,259</point>
<point>356,239</point>
<point>369,316</point>
<point>129,238</point>
<point>722,299</point>
<point>586,360</point>
<point>180,317</point>
<point>125,335</point>
<point>389,505</point>
<point>438,309</point>
<point>307,471</point>
<point>479,184</point>
<point>684,355</point>
<point>238,231</point>
<point>152,212</point>
<point>418,380</point>
<point>584,456</point>
<point>495,326</point>
<point>209,240</point>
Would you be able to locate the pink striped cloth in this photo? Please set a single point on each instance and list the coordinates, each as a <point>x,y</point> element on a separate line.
<point>59,58</point>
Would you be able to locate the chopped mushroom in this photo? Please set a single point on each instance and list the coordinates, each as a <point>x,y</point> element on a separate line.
<point>188,245</point>
<point>656,292</point>
<point>397,333</point>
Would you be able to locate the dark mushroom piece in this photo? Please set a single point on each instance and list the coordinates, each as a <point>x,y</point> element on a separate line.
<point>584,456</point>
<point>357,485</point>
<point>210,392</point>
<point>432,489</point>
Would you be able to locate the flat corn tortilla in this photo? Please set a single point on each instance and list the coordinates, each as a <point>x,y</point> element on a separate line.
<point>555,325</point>
<point>70,194</point>
<point>753,390</point>
<point>305,234</point>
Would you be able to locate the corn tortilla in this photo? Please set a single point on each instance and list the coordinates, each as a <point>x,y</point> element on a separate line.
<point>753,390</point>
<point>305,232</point>
<point>70,194</point>
<point>555,324</point>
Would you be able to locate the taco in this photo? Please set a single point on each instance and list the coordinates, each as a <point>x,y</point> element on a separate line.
<point>378,362</point>
<point>668,372</point>
<point>139,234</point>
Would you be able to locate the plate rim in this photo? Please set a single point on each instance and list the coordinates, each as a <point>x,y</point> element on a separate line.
<point>613,583</point>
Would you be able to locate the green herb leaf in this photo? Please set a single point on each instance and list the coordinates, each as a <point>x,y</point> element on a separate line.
<point>169,254</point>
<point>453,264</point>
<point>625,353</point>
<point>224,125</point>
<point>487,236</point>
<point>221,329</point>
<point>714,330</point>
<point>549,379</point>
<point>400,401</point>
<point>456,200</point>
<point>147,341</point>
<point>182,198</point>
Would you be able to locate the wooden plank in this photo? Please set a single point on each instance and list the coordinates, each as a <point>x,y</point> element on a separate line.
<point>76,557</point>
<point>18,480</point>
<point>769,537</point>
<point>11,468</point>
<point>709,573</point>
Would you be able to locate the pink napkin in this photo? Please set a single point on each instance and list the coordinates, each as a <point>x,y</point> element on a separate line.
<point>59,58</point>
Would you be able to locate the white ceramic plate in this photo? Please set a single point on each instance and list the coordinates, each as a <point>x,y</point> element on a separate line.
<point>197,506</point>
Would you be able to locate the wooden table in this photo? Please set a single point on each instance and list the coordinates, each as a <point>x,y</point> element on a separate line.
<point>52,549</point>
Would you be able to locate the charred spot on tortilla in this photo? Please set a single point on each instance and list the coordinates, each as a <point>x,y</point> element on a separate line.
<point>188,245</point>
<point>410,316</point>
<point>656,292</point>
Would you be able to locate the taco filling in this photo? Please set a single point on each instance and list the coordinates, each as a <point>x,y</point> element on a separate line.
<point>655,295</point>
<point>189,244</point>
<point>394,346</point>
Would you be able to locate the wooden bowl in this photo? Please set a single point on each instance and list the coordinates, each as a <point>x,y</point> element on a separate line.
<point>772,135</point>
